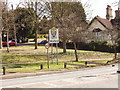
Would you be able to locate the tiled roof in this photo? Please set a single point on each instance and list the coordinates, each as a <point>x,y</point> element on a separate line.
<point>87,21</point>
<point>106,23</point>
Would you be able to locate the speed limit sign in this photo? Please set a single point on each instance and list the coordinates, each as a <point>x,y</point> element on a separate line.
<point>47,45</point>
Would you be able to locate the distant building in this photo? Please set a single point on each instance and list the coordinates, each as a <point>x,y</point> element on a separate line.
<point>99,25</point>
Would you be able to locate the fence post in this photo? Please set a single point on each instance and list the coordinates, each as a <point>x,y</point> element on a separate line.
<point>118,71</point>
<point>86,63</point>
<point>65,65</point>
<point>4,70</point>
<point>41,66</point>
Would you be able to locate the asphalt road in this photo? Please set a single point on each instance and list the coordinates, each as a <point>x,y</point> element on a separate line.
<point>99,77</point>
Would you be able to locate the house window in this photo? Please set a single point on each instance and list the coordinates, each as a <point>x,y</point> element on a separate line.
<point>98,34</point>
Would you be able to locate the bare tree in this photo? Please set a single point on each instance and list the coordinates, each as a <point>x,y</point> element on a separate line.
<point>1,8</point>
<point>60,12</point>
<point>5,22</point>
<point>114,39</point>
<point>39,8</point>
<point>14,25</point>
<point>77,24</point>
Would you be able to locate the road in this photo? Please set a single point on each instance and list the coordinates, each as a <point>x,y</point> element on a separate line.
<point>97,77</point>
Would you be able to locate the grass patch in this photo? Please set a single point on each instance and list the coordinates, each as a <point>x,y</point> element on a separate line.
<point>24,55</point>
<point>35,67</point>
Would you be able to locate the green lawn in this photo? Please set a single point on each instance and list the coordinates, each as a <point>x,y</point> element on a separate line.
<point>29,59</point>
<point>27,68</point>
<point>25,54</point>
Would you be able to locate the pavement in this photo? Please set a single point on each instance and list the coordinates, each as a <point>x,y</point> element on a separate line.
<point>19,75</point>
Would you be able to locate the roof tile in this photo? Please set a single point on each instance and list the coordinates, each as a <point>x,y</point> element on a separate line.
<point>105,22</point>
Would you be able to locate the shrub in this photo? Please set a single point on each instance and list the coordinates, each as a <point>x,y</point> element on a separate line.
<point>93,45</point>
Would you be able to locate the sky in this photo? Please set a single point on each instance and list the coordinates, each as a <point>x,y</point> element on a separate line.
<point>96,7</point>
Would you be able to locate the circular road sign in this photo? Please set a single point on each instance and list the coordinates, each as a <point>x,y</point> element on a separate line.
<point>47,45</point>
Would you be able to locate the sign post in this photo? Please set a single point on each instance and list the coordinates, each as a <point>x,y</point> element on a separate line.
<point>53,35</point>
<point>52,52</point>
<point>47,47</point>
<point>54,38</point>
<point>57,52</point>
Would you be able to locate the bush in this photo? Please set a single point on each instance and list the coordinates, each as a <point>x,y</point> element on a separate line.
<point>92,46</point>
<point>98,45</point>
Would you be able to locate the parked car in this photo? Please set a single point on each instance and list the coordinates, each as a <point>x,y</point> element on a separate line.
<point>4,43</point>
<point>11,43</point>
<point>43,42</point>
<point>18,40</point>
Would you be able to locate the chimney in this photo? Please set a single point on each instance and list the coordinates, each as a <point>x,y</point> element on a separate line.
<point>117,12</point>
<point>109,12</point>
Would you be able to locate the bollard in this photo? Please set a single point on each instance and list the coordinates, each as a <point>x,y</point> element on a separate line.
<point>64,65</point>
<point>113,65</point>
<point>41,66</point>
<point>86,63</point>
<point>118,71</point>
<point>4,70</point>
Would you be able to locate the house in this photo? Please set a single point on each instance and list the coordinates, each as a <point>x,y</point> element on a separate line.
<point>98,26</point>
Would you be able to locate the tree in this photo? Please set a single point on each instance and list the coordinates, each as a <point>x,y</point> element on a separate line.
<point>14,25</point>
<point>11,23</point>
<point>114,38</point>
<point>24,23</point>
<point>40,9</point>
<point>60,12</point>
<point>1,7</point>
<point>70,18</point>
<point>5,23</point>
<point>77,25</point>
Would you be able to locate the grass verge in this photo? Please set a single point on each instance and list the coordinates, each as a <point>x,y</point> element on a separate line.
<point>28,68</point>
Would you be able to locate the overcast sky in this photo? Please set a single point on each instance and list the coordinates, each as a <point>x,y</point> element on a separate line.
<point>98,7</point>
